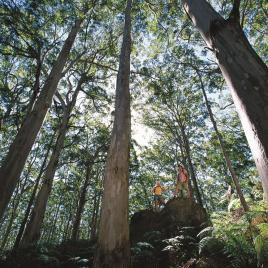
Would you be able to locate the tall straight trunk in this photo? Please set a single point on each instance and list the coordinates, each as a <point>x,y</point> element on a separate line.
<point>94,222</point>
<point>52,229</point>
<point>20,148</point>
<point>184,162</point>
<point>224,151</point>
<point>67,228</point>
<point>244,72</point>
<point>190,163</point>
<point>83,193</point>
<point>92,218</point>
<point>30,203</point>
<point>81,205</point>
<point>33,228</point>
<point>181,142</point>
<point>113,248</point>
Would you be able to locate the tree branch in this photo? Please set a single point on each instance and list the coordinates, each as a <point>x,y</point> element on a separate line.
<point>235,13</point>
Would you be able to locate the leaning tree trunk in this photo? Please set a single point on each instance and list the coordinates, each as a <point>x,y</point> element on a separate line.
<point>31,201</point>
<point>16,202</point>
<point>244,72</point>
<point>33,228</point>
<point>113,249</point>
<point>224,151</point>
<point>20,148</point>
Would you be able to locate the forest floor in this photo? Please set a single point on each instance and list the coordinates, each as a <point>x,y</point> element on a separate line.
<point>180,235</point>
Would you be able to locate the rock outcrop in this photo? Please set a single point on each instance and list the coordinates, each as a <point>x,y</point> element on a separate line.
<point>177,213</point>
<point>169,238</point>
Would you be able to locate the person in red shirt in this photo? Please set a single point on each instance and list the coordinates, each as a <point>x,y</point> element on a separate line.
<point>182,182</point>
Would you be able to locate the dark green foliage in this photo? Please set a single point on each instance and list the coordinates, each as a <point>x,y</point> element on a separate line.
<point>209,246</point>
<point>166,99</point>
<point>69,254</point>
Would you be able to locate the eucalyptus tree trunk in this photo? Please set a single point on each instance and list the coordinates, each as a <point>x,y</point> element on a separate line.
<point>190,164</point>
<point>20,148</point>
<point>33,228</point>
<point>244,72</point>
<point>53,227</point>
<point>36,86</point>
<point>16,202</point>
<point>113,247</point>
<point>93,217</point>
<point>224,151</point>
<point>94,221</point>
<point>30,203</point>
<point>83,192</point>
<point>69,221</point>
<point>81,204</point>
<point>184,162</point>
<point>10,223</point>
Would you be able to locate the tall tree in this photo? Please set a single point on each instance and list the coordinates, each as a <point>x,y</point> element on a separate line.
<point>32,197</point>
<point>113,249</point>
<point>19,150</point>
<point>83,191</point>
<point>244,72</point>
<point>222,145</point>
<point>33,228</point>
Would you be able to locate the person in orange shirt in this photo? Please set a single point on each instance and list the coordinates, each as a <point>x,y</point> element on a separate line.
<point>182,181</point>
<point>158,198</point>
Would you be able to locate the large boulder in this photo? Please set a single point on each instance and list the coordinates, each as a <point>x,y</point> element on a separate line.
<point>178,212</point>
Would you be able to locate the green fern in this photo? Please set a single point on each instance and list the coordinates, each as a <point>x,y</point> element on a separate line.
<point>261,244</point>
<point>210,246</point>
<point>240,251</point>
<point>263,229</point>
<point>206,232</point>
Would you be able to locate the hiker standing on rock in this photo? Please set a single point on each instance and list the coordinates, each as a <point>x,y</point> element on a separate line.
<point>158,198</point>
<point>182,182</point>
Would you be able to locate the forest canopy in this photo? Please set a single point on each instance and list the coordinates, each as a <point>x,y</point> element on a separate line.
<point>99,100</point>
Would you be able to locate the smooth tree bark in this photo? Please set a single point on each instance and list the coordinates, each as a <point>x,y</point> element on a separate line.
<point>67,225</point>
<point>36,86</point>
<point>19,150</point>
<point>113,247</point>
<point>33,227</point>
<point>244,72</point>
<point>223,148</point>
<point>53,228</point>
<point>190,163</point>
<point>31,201</point>
<point>185,153</point>
<point>82,196</point>
<point>13,212</point>
<point>95,216</point>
